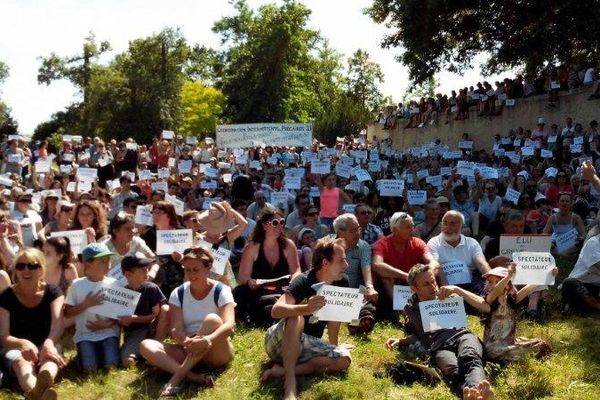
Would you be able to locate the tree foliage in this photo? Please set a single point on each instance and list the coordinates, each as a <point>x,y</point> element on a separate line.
<point>201,107</point>
<point>8,126</point>
<point>363,79</point>
<point>448,34</point>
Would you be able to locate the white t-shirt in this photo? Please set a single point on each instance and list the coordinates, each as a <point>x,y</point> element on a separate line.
<point>589,255</point>
<point>589,75</point>
<point>76,294</point>
<point>467,250</point>
<point>28,225</point>
<point>194,311</point>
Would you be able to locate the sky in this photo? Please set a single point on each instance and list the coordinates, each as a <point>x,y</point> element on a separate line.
<point>32,29</point>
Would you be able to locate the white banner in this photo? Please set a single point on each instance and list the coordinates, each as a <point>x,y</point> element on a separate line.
<point>443,314</point>
<point>533,268</point>
<point>251,135</point>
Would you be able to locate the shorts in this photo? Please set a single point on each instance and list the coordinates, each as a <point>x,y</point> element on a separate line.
<point>310,346</point>
<point>8,358</point>
<point>132,340</point>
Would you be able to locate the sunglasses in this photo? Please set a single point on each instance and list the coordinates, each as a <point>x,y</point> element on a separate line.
<point>66,209</point>
<point>277,222</point>
<point>32,266</point>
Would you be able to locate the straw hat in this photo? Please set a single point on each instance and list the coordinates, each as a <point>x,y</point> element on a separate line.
<point>215,220</point>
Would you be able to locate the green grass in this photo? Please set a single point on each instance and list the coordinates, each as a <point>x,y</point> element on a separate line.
<point>572,372</point>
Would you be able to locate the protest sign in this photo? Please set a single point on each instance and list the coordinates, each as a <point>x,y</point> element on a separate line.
<point>292,183</point>
<point>401,296</point>
<point>143,215</point>
<point>162,185</point>
<point>77,238</point>
<point>533,268</point>
<point>423,173</point>
<point>512,195</point>
<point>435,180</point>
<point>220,256</point>
<point>168,241</point>
<point>443,314</point>
<point>343,304</point>
<point>185,166</point>
<point>362,175</point>
<point>488,173</point>
<point>208,201</point>
<point>245,135</point>
<point>348,208</point>
<point>87,174</point>
<point>465,145</point>
<point>42,166</point>
<point>210,171</point>
<point>163,173</point>
<point>374,166</point>
<point>208,185</point>
<point>314,192</point>
<point>169,135</point>
<point>565,240</point>
<point>116,273</point>
<point>279,199</point>
<point>342,170</point>
<point>417,197</point>
<point>527,151</point>
<point>145,174</point>
<point>547,153</point>
<point>320,167</point>
<point>191,140</point>
<point>510,244</point>
<point>261,282</point>
<point>457,273</point>
<point>390,187</point>
<point>465,168</point>
<point>117,301</point>
<point>178,204</point>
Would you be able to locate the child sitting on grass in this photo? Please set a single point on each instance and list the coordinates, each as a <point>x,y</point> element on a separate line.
<point>499,337</point>
<point>96,337</point>
<point>150,317</point>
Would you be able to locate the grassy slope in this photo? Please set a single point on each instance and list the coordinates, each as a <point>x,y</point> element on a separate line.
<point>573,371</point>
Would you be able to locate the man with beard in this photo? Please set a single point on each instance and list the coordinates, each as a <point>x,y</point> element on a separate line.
<point>451,247</point>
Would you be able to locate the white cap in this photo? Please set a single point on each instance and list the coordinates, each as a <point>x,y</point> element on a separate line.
<point>541,121</point>
<point>538,196</point>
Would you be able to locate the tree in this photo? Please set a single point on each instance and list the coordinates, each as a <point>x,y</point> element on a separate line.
<point>8,126</point>
<point>363,78</point>
<point>447,34</point>
<point>61,121</point>
<point>269,64</point>
<point>77,69</point>
<point>201,107</point>
<point>425,89</point>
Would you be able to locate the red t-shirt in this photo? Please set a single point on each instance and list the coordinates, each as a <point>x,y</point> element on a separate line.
<point>404,261</point>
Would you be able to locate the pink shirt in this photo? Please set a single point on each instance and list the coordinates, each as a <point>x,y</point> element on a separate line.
<point>330,202</point>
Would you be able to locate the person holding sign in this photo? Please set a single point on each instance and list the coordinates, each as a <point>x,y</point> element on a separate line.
<point>563,222</point>
<point>150,313</point>
<point>331,198</point>
<point>31,326</point>
<point>14,158</point>
<point>499,338</point>
<point>124,193</point>
<point>457,352</point>
<point>96,338</point>
<point>295,344</point>
<point>581,290</point>
<point>270,256</point>
<point>202,316</point>
<point>102,159</point>
<point>91,217</point>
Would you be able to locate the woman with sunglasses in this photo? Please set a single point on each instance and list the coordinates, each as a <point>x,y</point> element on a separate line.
<point>202,318</point>
<point>310,219</point>
<point>268,255</point>
<point>31,326</point>
<point>558,185</point>
<point>564,221</point>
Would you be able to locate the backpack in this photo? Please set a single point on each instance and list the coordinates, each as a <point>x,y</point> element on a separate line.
<point>217,293</point>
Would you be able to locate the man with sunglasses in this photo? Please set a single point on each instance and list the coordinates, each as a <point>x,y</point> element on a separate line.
<point>295,217</point>
<point>370,233</point>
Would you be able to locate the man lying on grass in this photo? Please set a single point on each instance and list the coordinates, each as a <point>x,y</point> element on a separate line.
<point>455,351</point>
<point>294,344</point>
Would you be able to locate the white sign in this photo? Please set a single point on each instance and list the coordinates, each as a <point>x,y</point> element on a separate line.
<point>566,240</point>
<point>348,208</point>
<point>179,204</point>
<point>457,273</point>
<point>185,166</point>
<point>533,268</point>
<point>488,173</point>
<point>390,187</point>
<point>443,314</point>
<point>512,195</point>
<point>343,304</point>
<point>279,199</point>
<point>465,144</point>
<point>162,185</point>
<point>417,197</point>
<point>510,244</point>
<point>116,273</point>
<point>145,174</point>
<point>210,171</point>
<point>169,135</point>
<point>320,167</point>
<point>78,239</point>
<point>168,241</point>
<point>163,173</point>
<point>292,183</point>
<point>362,175</point>
<point>42,166</point>
<point>401,296</point>
<point>117,301</point>
<point>220,256</point>
<point>465,168</point>
<point>342,170</point>
<point>208,185</point>
<point>87,174</point>
<point>143,215</point>
<point>547,153</point>
<point>246,135</point>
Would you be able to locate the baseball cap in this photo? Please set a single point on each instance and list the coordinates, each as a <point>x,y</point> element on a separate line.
<point>498,271</point>
<point>95,250</point>
<point>130,262</point>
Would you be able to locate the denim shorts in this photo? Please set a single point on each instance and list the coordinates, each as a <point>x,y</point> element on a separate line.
<point>101,353</point>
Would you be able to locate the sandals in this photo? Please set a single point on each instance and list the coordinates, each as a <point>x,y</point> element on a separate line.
<point>169,390</point>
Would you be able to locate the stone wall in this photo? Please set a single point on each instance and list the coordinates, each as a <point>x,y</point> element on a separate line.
<point>482,129</point>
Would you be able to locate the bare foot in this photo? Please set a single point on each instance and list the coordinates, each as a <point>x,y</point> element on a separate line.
<point>470,393</point>
<point>289,389</point>
<point>275,372</point>
<point>178,337</point>
<point>485,391</point>
<point>203,380</point>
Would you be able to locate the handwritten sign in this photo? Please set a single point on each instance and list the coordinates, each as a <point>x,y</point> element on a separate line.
<point>362,175</point>
<point>343,304</point>
<point>292,183</point>
<point>510,244</point>
<point>320,167</point>
<point>401,296</point>
<point>143,215</point>
<point>178,204</point>
<point>117,301</point>
<point>77,238</point>
<point>417,197</point>
<point>566,240</point>
<point>279,199</point>
<point>443,314</point>
<point>457,273</point>
<point>162,185</point>
<point>533,268</point>
<point>168,241</point>
<point>116,273</point>
<point>390,187</point>
<point>512,195</point>
<point>185,166</point>
<point>169,135</point>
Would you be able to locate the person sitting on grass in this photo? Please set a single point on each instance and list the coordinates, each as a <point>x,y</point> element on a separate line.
<point>499,338</point>
<point>150,316</point>
<point>96,338</point>
<point>457,352</point>
<point>31,326</point>
<point>202,317</point>
<point>294,344</point>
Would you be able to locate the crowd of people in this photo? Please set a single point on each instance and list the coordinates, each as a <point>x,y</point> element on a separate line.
<point>489,100</point>
<point>265,229</point>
